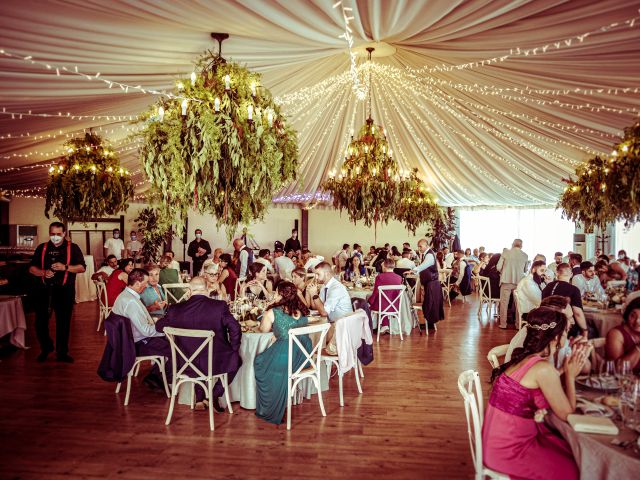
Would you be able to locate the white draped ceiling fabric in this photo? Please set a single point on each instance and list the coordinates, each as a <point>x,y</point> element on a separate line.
<point>492,101</point>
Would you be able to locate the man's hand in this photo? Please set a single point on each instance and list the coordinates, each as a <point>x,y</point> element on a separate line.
<point>49,273</point>
<point>312,289</point>
<point>58,267</point>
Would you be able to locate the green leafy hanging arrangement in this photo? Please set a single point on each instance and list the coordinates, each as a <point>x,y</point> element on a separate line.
<point>219,144</point>
<point>606,189</point>
<point>88,182</point>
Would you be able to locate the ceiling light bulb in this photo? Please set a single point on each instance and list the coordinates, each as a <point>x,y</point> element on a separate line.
<point>193,78</point>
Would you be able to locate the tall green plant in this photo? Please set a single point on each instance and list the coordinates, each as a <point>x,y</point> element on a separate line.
<point>155,231</point>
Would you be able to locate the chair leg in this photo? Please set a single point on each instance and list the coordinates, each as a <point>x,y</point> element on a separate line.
<point>316,380</point>
<point>164,376</point>
<point>358,378</point>
<point>379,318</point>
<point>361,371</point>
<point>340,387</point>
<point>289,404</point>
<point>193,395</point>
<point>118,387</point>
<point>99,321</point>
<point>225,384</point>
<point>137,369</point>
<point>397,317</point>
<point>174,392</point>
<point>210,394</point>
<point>126,397</point>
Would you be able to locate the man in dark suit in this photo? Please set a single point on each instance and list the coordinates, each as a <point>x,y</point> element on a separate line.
<point>203,313</point>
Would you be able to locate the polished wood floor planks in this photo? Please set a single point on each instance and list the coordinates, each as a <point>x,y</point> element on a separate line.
<point>63,421</point>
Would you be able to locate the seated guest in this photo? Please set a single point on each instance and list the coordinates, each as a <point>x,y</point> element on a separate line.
<point>557,260</point>
<point>623,341</point>
<point>147,340</point>
<point>228,276</point>
<point>173,263</point>
<point>357,251</point>
<point>257,283</point>
<point>153,296</point>
<point>460,280</point>
<point>264,257</point>
<point>405,262</point>
<point>371,256</point>
<point>395,254</point>
<point>332,301</point>
<point>200,312</point>
<point>310,261</point>
<point>563,287</point>
<point>104,272</point>
<point>623,261</point>
<point>341,257</point>
<point>492,273</point>
<point>299,277</point>
<point>575,259</point>
<point>377,262</point>
<point>387,277</point>
<point>448,257</point>
<point>440,259</point>
<point>354,269</point>
<point>412,254</point>
<point>283,264</point>
<point>118,280</point>
<point>214,286</point>
<point>481,263</point>
<point>470,259</point>
<point>608,271</point>
<point>587,281</point>
<point>271,366</point>
<point>521,387</point>
<point>530,288</point>
<point>167,274</point>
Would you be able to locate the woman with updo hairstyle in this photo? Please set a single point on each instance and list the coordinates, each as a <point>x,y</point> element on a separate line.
<point>257,282</point>
<point>271,366</point>
<point>623,341</point>
<point>514,439</point>
<point>228,276</point>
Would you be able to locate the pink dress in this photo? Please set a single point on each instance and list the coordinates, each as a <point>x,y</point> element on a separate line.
<point>513,442</point>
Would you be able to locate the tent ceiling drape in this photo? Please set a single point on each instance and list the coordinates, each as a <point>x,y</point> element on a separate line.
<point>499,133</point>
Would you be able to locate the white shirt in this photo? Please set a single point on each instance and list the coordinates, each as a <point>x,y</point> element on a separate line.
<point>591,286</point>
<point>114,246</point>
<point>106,269</point>
<point>341,259</point>
<point>175,265</point>
<point>313,262</point>
<point>244,259</point>
<point>134,246</point>
<point>427,261</point>
<point>448,260</point>
<point>284,266</point>
<point>405,263</point>
<point>336,300</point>
<point>529,294</point>
<point>266,263</point>
<point>128,304</point>
<point>461,268</point>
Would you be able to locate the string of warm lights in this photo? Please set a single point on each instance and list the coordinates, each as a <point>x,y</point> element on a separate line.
<point>518,52</point>
<point>300,98</point>
<point>359,87</point>
<point>104,129</point>
<point>113,118</point>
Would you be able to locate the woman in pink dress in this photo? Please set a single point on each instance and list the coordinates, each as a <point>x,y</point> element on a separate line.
<point>514,442</point>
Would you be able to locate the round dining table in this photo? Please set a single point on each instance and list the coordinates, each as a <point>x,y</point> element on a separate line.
<point>406,310</point>
<point>604,320</point>
<point>85,289</point>
<point>12,319</point>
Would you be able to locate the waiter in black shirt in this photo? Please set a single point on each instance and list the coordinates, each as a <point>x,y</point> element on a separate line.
<point>199,250</point>
<point>293,243</point>
<point>55,264</point>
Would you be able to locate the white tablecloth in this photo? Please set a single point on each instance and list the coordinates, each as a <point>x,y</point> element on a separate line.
<point>243,387</point>
<point>85,289</point>
<point>406,319</point>
<point>12,319</point>
<point>604,320</point>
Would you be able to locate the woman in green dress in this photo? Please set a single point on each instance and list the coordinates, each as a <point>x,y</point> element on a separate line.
<point>271,366</point>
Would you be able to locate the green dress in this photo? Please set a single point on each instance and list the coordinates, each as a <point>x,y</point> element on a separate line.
<point>272,364</point>
<point>171,275</point>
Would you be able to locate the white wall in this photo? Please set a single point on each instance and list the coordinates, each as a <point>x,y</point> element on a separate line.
<point>328,230</point>
<point>30,211</point>
<point>628,240</point>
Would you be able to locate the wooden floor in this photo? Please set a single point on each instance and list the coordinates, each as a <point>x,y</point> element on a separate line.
<point>63,421</point>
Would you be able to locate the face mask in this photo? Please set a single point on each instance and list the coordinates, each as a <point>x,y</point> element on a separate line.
<point>198,236</point>
<point>133,238</point>
<point>116,235</point>
<point>55,239</point>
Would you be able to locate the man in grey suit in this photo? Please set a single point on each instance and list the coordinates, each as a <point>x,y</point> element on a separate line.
<point>512,267</point>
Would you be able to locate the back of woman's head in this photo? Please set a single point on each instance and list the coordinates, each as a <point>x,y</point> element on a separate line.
<point>299,272</point>
<point>544,326</point>
<point>555,301</point>
<point>122,264</point>
<point>254,269</point>
<point>226,258</point>
<point>290,301</point>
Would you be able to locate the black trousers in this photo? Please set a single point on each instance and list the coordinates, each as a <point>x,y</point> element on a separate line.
<point>156,346</point>
<point>61,299</point>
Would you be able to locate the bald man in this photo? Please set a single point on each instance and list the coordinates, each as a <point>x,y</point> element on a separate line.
<point>203,313</point>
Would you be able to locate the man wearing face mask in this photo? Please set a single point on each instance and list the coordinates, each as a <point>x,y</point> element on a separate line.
<point>134,247</point>
<point>55,265</point>
<point>199,250</point>
<point>114,246</point>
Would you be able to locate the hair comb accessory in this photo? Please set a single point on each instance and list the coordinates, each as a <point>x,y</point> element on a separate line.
<point>544,326</point>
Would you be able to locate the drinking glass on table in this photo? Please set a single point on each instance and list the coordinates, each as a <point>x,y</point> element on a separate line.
<point>630,404</point>
<point>607,374</point>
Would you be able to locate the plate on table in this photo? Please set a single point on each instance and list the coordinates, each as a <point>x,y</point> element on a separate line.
<point>594,408</point>
<point>595,383</point>
<point>314,313</point>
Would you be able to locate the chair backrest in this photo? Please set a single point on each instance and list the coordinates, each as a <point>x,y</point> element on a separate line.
<point>484,288</point>
<point>495,353</point>
<point>239,288</point>
<point>444,277</point>
<point>516,301</point>
<point>294,333</point>
<point>206,335</point>
<point>471,391</point>
<point>101,293</point>
<point>392,294</point>
<point>169,294</point>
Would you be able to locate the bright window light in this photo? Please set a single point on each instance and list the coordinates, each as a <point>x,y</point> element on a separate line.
<point>628,240</point>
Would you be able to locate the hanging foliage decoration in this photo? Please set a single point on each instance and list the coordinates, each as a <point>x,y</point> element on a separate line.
<point>153,232</point>
<point>606,189</point>
<point>221,146</point>
<point>372,189</point>
<point>88,182</point>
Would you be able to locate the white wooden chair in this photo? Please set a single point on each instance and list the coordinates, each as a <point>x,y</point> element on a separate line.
<point>205,380</point>
<point>154,359</point>
<point>516,301</point>
<point>445,278</point>
<point>392,310</point>
<point>335,360</point>
<point>304,372</point>
<point>475,282</point>
<point>484,292</point>
<point>169,289</point>
<point>411,289</point>
<point>471,391</point>
<point>103,303</point>
<point>495,353</point>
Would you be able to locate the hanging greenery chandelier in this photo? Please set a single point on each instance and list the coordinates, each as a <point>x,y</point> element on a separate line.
<point>88,182</point>
<point>371,187</point>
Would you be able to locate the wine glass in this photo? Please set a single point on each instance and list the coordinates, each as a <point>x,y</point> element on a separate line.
<point>607,373</point>
<point>630,404</point>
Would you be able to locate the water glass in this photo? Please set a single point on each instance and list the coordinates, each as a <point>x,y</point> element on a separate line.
<point>630,404</point>
<point>607,374</point>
